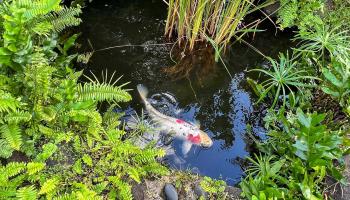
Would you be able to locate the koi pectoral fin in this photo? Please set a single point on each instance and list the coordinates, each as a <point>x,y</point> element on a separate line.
<point>186,147</point>
<point>167,139</point>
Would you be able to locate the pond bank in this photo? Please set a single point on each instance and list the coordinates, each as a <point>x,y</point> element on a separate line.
<point>185,184</point>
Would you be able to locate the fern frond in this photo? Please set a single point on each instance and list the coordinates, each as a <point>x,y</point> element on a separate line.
<point>67,17</point>
<point>64,197</point>
<point>123,187</point>
<point>7,192</point>
<point>48,150</point>
<point>17,117</point>
<point>39,77</point>
<point>5,149</point>
<point>12,134</point>
<point>39,7</point>
<point>7,102</point>
<point>83,192</point>
<point>43,28</point>
<point>49,186</point>
<point>87,160</point>
<point>77,144</point>
<point>98,188</point>
<point>34,167</point>
<point>27,193</point>
<point>12,169</point>
<point>102,92</point>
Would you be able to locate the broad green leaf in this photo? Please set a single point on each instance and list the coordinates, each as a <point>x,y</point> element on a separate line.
<point>331,77</point>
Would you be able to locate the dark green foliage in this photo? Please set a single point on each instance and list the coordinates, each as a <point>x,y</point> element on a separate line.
<point>304,14</point>
<point>284,78</point>
<point>337,80</point>
<point>73,151</point>
<point>295,169</point>
<point>303,149</point>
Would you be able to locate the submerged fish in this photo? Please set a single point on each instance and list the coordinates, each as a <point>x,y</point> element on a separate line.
<point>180,129</point>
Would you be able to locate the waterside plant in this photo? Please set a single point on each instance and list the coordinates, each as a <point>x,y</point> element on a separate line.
<point>219,20</point>
<point>54,142</point>
<point>304,150</point>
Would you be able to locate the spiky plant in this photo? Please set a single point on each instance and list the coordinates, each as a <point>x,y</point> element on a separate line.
<point>283,78</point>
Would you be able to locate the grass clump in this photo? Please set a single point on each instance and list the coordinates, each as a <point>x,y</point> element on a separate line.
<point>199,20</point>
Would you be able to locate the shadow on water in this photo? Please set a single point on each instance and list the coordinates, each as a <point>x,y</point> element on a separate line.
<point>223,106</point>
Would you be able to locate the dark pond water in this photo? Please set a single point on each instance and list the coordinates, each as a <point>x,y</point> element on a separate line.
<point>221,104</point>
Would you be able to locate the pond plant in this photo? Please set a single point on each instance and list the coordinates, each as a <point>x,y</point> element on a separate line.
<point>304,149</point>
<point>54,142</point>
<point>219,20</point>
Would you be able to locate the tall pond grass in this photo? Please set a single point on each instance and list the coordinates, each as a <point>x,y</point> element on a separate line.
<point>209,20</point>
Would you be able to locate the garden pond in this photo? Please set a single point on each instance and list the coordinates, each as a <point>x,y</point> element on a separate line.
<point>223,105</point>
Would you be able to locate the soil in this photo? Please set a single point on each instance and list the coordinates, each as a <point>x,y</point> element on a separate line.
<point>185,184</point>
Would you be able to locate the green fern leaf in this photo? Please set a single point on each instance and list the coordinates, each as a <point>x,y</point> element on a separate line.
<point>124,188</point>
<point>99,188</point>
<point>49,186</point>
<point>64,197</point>
<point>5,149</point>
<point>27,193</point>
<point>48,150</point>
<point>12,169</point>
<point>7,192</point>
<point>18,116</point>
<point>87,160</point>
<point>34,167</point>
<point>77,167</point>
<point>102,92</point>
<point>7,102</point>
<point>67,17</point>
<point>12,134</point>
<point>39,7</point>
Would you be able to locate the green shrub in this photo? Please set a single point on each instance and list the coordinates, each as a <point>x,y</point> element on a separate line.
<point>71,151</point>
<point>283,78</point>
<point>296,169</point>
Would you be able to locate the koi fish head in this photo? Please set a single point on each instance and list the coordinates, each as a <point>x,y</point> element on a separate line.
<point>196,136</point>
<point>205,140</point>
<point>201,139</point>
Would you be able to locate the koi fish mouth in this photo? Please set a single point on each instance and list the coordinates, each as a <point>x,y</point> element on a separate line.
<point>206,142</point>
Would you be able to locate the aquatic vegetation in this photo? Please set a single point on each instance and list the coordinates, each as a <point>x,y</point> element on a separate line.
<point>219,20</point>
<point>324,42</point>
<point>284,78</point>
<point>54,142</point>
<point>295,169</point>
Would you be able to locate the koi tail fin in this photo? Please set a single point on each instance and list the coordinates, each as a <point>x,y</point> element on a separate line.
<point>142,91</point>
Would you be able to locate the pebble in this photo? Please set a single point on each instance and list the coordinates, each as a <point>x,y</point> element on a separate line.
<point>170,192</point>
<point>198,190</point>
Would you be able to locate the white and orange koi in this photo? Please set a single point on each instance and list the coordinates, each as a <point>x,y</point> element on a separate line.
<point>188,132</point>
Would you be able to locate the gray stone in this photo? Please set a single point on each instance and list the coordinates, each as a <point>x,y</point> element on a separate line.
<point>198,190</point>
<point>233,193</point>
<point>170,192</point>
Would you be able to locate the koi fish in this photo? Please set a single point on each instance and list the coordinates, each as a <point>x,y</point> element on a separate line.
<point>189,133</point>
